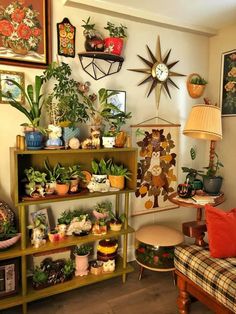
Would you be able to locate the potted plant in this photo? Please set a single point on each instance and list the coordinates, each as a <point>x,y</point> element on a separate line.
<point>67,105</point>
<point>116,221</point>
<point>76,175</point>
<point>100,227</point>
<point>93,39</point>
<point>35,182</point>
<point>117,175</point>
<point>8,235</point>
<point>69,269</point>
<point>33,131</point>
<point>102,209</point>
<point>55,235</point>
<point>63,180</point>
<point>40,278</point>
<point>81,259</point>
<point>114,43</point>
<point>212,181</point>
<point>52,176</point>
<point>196,85</point>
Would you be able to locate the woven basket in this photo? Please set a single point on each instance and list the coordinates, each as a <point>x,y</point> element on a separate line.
<point>195,90</point>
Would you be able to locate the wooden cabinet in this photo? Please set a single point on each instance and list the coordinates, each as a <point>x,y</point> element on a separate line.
<point>24,159</point>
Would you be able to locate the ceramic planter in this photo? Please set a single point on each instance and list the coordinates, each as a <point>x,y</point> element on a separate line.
<point>115,225</point>
<point>108,141</point>
<point>212,185</point>
<point>50,188</point>
<point>62,188</point>
<point>34,140</point>
<point>81,265</point>
<point>117,181</point>
<point>55,237</point>
<point>113,45</point>
<point>74,184</point>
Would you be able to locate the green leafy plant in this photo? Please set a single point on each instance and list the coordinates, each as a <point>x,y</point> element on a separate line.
<point>75,172</point>
<point>69,268</point>
<point>62,174</point>
<point>213,170</point>
<point>68,215</point>
<point>119,170</point>
<point>8,231</point>
<point>82,249</point>
<point>39,276</point>
<point>88,27</point>
<point>198,80</point>
<point>35,177</point>
<point>116,31</point>
<point>103,207</point>
<point>33,99</point>
<point>52,172</point>
<point>116,218</point>
<point>71,104</point>
<point>100,167</point>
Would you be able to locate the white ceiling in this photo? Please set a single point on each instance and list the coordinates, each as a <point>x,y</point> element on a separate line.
<point>206,16</point>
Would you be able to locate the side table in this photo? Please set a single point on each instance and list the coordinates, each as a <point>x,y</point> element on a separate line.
<point>195,229</point>
<point>155,247</point>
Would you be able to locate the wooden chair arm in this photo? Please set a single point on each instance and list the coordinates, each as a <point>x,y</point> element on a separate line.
<point>195,229</point>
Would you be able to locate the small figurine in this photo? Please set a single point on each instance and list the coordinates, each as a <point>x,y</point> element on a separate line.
<point>74,143</point>
<point>79,224</point>
<point>109,266</point>
<point>54,135</point>
<point>98,187</point>
<point>38,237</point>
<point>95,137</point>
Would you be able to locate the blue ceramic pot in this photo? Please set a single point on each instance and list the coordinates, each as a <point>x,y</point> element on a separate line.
<point>34,140</point>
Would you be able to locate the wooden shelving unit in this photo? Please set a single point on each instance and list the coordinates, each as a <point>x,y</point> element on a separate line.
<point>25,159</point>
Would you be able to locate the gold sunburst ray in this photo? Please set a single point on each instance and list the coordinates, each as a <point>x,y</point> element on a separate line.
<point>158,51</point>
<point>172,82</point>
<point>167,57</point>
<point>167,88</point>
<point>151,55</point>
<point>145,80</point>
<point>146,71</point>
<point>154,84</point>
<point>175,74</point>
<point>149,63</point>
<point>172,64</point>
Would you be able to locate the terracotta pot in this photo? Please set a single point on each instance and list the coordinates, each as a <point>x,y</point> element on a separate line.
<point>81,265</point>
<point>194,90</point>
<point>62,188</point>
<point>113,45</point>
<point>117,181</point>
<point>120,139</point>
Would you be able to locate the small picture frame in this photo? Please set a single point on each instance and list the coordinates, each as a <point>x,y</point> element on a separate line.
<point>9,277</point>
<point>119,100</point>
<point>228,84</point>
<point>7,86</point>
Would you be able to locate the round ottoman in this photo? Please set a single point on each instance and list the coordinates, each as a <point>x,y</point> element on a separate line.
<point>154,247</point>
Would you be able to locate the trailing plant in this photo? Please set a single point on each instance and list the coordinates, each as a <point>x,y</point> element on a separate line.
<point>213,170</point>
<point>62,174</point>
<point>116,31</point>
<point>82,249</point>
<point>100,167</point>
<point>35,177</point>
<point>33,99</point>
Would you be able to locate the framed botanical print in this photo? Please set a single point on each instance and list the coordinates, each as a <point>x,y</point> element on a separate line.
<point>7,86</point>
<point>228,84</point>
<point>25,33</point>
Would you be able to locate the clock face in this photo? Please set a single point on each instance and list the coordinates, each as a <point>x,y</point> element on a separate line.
<point>161,71</point>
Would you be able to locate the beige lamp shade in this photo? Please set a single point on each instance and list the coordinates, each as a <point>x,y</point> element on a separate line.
<point>204,122</point>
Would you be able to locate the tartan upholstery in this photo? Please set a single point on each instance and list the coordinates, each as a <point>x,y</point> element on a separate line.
<point>216,276</point>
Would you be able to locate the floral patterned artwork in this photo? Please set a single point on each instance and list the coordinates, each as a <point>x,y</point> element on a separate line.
<point>228,88</point>
<point>22,30</point>
<point>157,171</point>
<point>66,38</point>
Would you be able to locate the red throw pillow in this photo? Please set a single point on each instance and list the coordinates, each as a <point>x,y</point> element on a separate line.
<point>221,228</point>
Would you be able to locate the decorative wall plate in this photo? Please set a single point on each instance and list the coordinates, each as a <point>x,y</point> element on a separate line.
<point>66,38</point>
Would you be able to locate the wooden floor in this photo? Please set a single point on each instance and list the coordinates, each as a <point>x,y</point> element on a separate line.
<point>154,294</point>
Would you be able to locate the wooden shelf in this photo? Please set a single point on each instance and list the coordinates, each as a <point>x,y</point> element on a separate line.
<point>77,282</point>
<point>11,252</point>
<point>11,301</point>
<point>73,240</point>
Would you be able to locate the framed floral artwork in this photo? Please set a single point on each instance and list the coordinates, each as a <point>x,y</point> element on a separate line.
<point>228,84</point>
<point>6,86</point>
<point>66,38</point>
<point>25,33</point>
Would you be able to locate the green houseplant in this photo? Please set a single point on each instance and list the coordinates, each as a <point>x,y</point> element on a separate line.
<point>81,259</point>
<point>114,43</point>
<point>117,175</point>
<point>212,180</point>
<point>35,182</point>
<point>196,85</point>
<point>66,104</point>
<point>33,111</point>
<point>93,39</point>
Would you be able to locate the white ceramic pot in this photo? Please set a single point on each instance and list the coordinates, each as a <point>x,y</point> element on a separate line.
<point>108,141</point>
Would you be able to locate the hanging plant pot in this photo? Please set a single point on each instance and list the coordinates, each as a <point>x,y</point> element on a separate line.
<point>113,45</point>
<point>34,140</point>
<point>195,90</point>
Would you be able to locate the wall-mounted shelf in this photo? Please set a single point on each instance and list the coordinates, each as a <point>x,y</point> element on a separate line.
<point>100,64</point>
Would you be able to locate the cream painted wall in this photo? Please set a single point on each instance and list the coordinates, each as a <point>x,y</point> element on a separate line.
<point>223,42</point>
<point>190,49</point>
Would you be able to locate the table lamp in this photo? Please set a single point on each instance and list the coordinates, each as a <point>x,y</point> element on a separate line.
<point>204,122</point>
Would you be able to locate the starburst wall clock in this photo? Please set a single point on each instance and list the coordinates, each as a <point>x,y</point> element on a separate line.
<point>159,72</point>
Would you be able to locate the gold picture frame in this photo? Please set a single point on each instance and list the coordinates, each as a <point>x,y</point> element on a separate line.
<point>6,86</point>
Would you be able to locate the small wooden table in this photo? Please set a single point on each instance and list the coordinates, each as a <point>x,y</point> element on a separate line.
<point>195,229</point>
